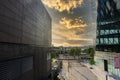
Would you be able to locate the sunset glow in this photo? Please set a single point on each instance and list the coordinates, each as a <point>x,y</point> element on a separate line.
<point>76,23</point>
<point>62,5</point>
<point>72,22</point>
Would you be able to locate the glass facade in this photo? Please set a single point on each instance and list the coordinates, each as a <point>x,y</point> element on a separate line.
<point>108,41</point>
<point>108,26</point>
<point>108,34</point>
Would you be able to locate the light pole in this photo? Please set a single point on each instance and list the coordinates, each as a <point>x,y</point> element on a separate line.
<point>68,67</point>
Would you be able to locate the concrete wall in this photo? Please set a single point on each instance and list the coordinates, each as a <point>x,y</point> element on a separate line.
<point>24,21</point>
<point>100,56</point>
<point>25,31</point>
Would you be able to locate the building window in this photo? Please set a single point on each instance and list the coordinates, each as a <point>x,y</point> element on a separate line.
<point>115,40</point>
<point>97,32</point>
<point>105,41</point>
<point>101,40</point>
<point>97,41</point>
<point>110,40</point>
<point>113,31</point>
<point>101,32</point>
<point>106,32</point>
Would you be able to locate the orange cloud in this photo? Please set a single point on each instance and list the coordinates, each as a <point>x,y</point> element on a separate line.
<point>62,36</point>
<point>67,45</point>
<point>73,23</point>
<point>62,5</point>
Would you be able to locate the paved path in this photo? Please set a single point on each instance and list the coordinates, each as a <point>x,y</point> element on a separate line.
<point>100,73</point>
<point>72,70</point>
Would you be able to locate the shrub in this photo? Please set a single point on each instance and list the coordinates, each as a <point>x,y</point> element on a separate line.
<point>92,61</point>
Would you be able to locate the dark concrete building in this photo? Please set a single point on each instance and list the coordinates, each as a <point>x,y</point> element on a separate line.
<point>108,35</point>
<point>25,40</point>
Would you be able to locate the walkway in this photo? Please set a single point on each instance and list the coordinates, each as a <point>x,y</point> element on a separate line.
<point>98,72</point>
<point>73,70</point>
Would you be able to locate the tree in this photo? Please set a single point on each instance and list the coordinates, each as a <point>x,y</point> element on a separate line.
<point>71,52</point>
<point>86,51</point>
<point>77,52</point>
<point>89,51</point>
<point>54,54</point>
<point>92,53</point>
<point>91,61</point>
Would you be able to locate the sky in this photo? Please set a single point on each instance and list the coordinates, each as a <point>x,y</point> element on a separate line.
<point>73,22</point>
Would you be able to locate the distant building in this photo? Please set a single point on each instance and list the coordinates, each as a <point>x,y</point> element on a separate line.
<point>65,50</point>
<point>25,40</point>
<point>108,34</point>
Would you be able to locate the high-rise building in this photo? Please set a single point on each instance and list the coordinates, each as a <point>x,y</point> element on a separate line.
<point>25,40</point>
<point>108,34</point>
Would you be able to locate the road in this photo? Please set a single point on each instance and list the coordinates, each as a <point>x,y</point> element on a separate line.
<point>73,70</point>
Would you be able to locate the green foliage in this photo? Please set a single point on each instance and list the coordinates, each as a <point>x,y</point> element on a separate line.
<point>54,54</point>
<point>91,52</point>
<point>91,61</point>
<point>85,51</point>
<point>71,52</point>
<point>77,51</point>
<point>55,75</point>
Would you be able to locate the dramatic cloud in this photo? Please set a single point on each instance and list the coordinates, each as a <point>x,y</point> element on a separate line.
<point>63,36</point>
<point>70,23</point>
<point>77,29</point>
<point>62,5</point>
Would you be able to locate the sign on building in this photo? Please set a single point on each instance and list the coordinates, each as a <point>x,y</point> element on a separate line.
<point>117,62</point>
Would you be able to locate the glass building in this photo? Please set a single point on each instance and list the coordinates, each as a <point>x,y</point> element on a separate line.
<point>108,34</point>
<point>108,26</point>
